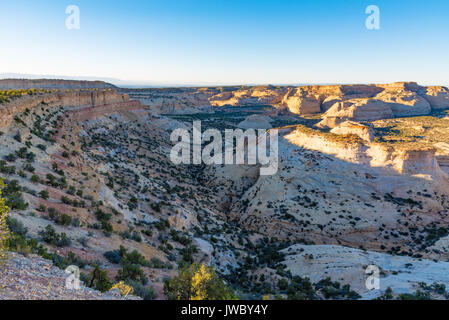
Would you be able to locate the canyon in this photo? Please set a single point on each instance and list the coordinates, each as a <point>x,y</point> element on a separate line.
<point>362,179</point>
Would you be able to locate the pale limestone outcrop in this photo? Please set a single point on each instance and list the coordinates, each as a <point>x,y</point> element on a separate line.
<point>352,142</point>
<point>22,132</point>
<point>347,147</point>
<point>350,127</point>
<point>416,160</point>
<point>348,265</point>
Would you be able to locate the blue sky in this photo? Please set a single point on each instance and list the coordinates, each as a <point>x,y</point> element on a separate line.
<point>228,42</point>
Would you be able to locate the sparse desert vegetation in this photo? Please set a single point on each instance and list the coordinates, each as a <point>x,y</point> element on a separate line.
<point>93,187</point>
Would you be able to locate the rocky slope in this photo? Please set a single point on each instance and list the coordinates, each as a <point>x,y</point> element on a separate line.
<point>335,196</point>
<point>33,278</point>
<point>347,265</point>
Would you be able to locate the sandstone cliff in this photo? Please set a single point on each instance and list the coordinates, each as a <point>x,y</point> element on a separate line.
<point>352,142</point>
<point>66,99</point>
<point>13,84</point>
<point>438,97</point>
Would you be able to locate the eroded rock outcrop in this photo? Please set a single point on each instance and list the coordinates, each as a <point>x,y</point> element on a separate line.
<point>405,103</point>
<point>348,147</point>
<point>415,160</point>
<point>300,101</point>
<point>353,142</point>
<point>356,110</point>
<point>400,99</point>
<point>350,127</point>
<point>438,97</point>
<point>349,265</point>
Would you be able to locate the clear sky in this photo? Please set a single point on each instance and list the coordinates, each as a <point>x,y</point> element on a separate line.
<point>228,41</point>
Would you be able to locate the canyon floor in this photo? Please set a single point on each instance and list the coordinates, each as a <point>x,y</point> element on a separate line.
<point>362,181</point>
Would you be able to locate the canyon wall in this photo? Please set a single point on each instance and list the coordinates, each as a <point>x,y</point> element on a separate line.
<point>404,158</point>
<point>93,112</point>
<point>14,84</point>
<point>65,99</point>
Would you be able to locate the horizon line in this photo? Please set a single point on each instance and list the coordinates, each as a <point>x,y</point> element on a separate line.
<point>168,84</point>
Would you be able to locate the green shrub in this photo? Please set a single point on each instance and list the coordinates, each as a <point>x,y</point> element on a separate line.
<point>113,256</point>
<point>44,194</point>
<point>13,196</point>
<point>146,293</point>
<point>131,272</point>
<point>98,279</point>
<point>64,220</point>
<point>16,226</point>
<point>49,235</point>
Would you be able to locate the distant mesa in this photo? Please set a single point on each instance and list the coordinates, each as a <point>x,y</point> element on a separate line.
<point>16,84</point>
<point>336,103</point>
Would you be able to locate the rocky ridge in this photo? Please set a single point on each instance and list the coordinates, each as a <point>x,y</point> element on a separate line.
<point>12,84</point>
